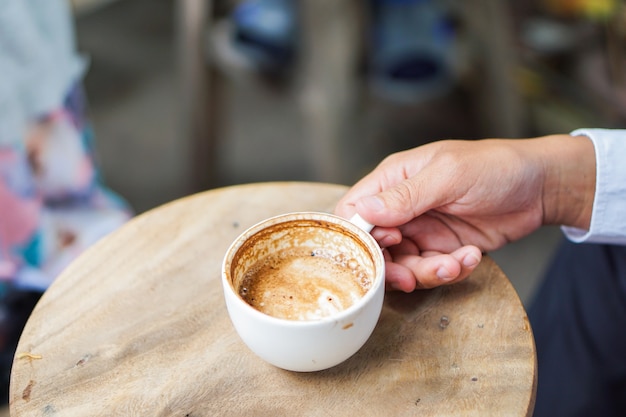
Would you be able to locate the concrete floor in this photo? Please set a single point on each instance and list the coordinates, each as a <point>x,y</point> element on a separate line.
<point>134,94</point>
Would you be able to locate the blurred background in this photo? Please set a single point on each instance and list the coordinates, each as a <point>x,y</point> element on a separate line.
<point>512,69</point>
<point>190,95</point>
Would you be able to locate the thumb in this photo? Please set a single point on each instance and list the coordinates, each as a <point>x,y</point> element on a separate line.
<point>395,206</point>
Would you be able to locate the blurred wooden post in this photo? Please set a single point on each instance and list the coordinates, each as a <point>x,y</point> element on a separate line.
<point>500,103</point>
<point>197,104</point>
<point>330,50</point>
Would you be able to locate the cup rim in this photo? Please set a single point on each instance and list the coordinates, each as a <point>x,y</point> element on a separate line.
<point>367,238</point>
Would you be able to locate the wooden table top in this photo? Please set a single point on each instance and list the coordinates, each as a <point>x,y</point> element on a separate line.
<point>137,326</point>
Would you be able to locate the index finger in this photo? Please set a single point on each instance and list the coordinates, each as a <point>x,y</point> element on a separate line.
<point>384,176</point>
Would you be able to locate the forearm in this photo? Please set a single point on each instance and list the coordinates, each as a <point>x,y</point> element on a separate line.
<point>608,224</point>
<point>569,166</point>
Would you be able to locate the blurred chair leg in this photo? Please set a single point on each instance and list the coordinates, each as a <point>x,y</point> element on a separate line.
<point>331,46</point>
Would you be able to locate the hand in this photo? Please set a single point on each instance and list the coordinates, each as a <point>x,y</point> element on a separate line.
<point>439,206</point>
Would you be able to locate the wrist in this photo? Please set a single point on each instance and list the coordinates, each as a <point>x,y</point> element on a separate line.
<point>569,166</point>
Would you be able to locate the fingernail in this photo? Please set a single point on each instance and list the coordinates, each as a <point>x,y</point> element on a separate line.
<point>387,241</point>
<point>373,203</point>
<point>470,261</point>
<point>444,274</point>
<point>392,285</point>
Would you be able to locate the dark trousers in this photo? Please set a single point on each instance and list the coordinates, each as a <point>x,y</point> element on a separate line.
<point>579,322</point>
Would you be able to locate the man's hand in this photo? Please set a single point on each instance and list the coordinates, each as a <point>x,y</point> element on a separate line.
<point>439,206</point>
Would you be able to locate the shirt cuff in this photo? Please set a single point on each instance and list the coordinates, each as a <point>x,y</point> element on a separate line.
<point>608,223</point>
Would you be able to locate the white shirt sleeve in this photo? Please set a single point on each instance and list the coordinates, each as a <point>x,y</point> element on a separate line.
<point>608,218</point>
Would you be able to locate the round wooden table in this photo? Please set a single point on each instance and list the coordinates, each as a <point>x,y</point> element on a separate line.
<point>137,326</point>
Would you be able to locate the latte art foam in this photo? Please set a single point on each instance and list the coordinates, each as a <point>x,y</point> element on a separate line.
<point>300,284</point>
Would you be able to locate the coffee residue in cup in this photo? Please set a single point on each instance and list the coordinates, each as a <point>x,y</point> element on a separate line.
<point>301,284</point>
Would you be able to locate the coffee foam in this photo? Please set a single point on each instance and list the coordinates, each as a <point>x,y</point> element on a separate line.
<point>303,239</point>
<point>304,284</point>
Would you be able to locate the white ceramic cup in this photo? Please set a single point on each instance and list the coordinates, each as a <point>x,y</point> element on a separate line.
<point>304,345</point>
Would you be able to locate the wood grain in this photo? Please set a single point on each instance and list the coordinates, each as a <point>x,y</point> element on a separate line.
<point>137,327</point>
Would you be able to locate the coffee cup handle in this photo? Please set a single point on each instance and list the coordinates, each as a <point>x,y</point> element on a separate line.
<point>362,223</point>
